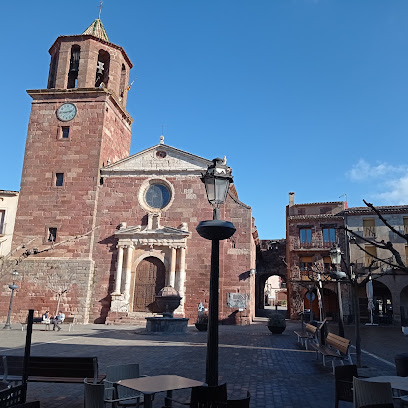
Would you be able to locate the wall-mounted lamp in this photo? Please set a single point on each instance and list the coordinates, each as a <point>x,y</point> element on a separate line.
<point>252,271</point>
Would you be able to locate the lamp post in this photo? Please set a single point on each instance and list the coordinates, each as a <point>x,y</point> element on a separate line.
<point>335,255</point>
<point>217,180</point>
<point>13,287</point>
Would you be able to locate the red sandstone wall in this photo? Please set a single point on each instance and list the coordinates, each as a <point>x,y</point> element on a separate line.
<point>70,208</point>
<point>118,202</point>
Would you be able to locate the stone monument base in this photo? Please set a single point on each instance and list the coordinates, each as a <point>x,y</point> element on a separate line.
<point>166,324</point>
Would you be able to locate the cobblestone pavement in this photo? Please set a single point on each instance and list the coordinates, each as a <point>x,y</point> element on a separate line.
<point>276,371</point>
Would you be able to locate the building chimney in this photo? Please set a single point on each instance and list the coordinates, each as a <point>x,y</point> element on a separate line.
<point>291,199</point>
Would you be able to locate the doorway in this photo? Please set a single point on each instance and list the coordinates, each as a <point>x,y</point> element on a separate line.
<point>149,280</point>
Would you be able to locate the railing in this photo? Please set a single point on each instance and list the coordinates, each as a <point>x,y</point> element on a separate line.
<point>314,244</point>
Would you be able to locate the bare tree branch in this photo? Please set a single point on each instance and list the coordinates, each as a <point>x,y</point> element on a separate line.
<point>28,252</point>
<point>381,245</point>
<point>386,223</point>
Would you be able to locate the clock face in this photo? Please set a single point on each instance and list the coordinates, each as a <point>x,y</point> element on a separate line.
<point>66,112</point>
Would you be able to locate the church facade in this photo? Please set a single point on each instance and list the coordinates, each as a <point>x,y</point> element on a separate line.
<point>103,232</point>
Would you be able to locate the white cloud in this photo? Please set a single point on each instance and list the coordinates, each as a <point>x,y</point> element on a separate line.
<point>363,170</point>
<point>397,193</point>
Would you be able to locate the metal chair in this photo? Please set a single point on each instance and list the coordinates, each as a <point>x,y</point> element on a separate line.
<point>4,385</point>
<point>372,394</point>
<point>32,404</point>
<point>94,396</point>
<point>13,395</point>
<point>343,377</point>
<point>204,397</point>
<point>239,403</point>
<point>125,397</point>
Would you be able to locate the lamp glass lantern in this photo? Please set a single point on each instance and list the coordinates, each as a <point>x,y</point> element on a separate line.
<point>335,255</point>
<point>217,180</point>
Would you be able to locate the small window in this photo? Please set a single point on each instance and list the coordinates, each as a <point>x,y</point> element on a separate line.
<point>65,132</point>
<point>305,235</point>
<point>59,179</point>
<point>301,211</point>
<point>52,234</point>
<point>370,256</point>
<point>369,228</point>
<point>306,262</point>
<point>325,210</point>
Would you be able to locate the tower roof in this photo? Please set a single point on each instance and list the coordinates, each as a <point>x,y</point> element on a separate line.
<point>97,30</point>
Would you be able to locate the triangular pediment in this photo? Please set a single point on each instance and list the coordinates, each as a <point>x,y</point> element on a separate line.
<point>158,159</point>
<point>139,231</point>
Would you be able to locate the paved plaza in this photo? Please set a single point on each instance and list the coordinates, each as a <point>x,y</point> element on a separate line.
<point>276,371</point>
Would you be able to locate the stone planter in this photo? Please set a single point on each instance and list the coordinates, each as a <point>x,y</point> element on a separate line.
<point>276,329</point>
<point>276,323</point>
<point>201,326</point>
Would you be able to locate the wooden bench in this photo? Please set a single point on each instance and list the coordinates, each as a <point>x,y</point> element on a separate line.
<point>71,320</point>
<point>36,320</point>
<point>52,369</point>
<point>309,333</point>
<point>336,347</point>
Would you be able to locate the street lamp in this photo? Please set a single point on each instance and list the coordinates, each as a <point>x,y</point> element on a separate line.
<point>13,287</point>
<point>335,255</point>
<point>217,180</point>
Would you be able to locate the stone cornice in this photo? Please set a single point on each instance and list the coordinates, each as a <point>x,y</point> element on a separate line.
<point>80,92</point>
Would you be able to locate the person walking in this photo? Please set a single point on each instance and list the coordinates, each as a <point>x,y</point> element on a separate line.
<point>58,320</point>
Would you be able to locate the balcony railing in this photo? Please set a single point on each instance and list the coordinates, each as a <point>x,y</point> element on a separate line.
<point>314,244</point>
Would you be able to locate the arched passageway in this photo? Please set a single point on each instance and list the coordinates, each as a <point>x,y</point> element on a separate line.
<point>404,306</point>
<point>270,282</point>
<point>382,298</point>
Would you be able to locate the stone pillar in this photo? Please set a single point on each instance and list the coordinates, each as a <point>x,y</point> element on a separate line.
<point>172,278</point>
<point>118,277</point>
<point>128,270</point>
<point>181,275</point>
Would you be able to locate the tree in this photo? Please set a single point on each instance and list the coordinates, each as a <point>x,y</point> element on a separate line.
<point>358,279</point>
<point>59,282</point>
<point>395,261</point>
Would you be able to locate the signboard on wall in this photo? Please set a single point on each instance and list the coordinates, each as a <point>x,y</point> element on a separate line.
<point>236,300</point>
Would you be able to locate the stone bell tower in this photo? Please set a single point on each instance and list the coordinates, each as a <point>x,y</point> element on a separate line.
<point>77,125</point>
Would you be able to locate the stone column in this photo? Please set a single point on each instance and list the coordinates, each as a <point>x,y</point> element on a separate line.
<point>182,275</point>
<point>118,277</point>
<point>128,270</point>
<point>172,278</point>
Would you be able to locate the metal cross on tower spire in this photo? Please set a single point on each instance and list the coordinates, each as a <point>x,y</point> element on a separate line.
<point>100,9</point>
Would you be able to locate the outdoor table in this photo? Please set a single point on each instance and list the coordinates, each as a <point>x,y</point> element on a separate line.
<point>397,382</point>
<point>158,383</point>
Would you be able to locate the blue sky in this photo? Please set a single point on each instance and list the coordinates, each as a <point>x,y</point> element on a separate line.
<point>308,96</point>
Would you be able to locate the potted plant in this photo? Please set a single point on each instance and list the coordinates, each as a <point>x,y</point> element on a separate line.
<point>202,318</point>
<point>276,323</point>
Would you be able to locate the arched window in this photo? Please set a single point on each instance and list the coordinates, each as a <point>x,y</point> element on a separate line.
<point>74,67</point>
<point>122,81</point>
<point>53,71</point>
<point>102,69</point>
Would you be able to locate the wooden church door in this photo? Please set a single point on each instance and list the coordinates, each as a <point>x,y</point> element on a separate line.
<point>149,280</point>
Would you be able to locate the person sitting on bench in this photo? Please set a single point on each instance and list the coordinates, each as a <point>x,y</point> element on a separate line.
<point>58,320</point>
